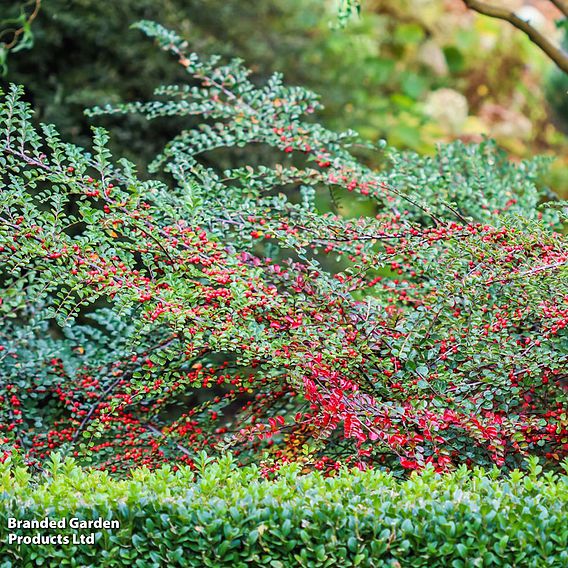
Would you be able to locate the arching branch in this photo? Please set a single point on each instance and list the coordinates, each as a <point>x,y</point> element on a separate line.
<point>553,51</point>
<point>562,6</point>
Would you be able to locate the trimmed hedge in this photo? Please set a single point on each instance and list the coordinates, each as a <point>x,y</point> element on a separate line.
<point>224,516</point>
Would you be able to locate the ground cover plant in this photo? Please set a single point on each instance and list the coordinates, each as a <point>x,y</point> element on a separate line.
<point>145,320</point>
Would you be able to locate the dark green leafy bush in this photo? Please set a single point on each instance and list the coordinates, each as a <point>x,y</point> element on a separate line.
<point>226,516</point>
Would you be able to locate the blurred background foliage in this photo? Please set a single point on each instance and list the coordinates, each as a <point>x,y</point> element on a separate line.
<point>413,72</point>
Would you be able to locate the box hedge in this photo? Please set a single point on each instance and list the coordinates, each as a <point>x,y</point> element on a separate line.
<point>221,515</point>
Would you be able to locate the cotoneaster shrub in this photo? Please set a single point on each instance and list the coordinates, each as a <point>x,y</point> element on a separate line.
<point>225,516</point>
<point>144,321</point>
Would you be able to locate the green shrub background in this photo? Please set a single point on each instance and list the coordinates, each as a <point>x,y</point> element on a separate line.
<point>375,75</point>
<point>224,516</point>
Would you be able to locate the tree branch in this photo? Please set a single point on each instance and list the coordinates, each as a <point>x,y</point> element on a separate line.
<point>554,52</point>
<point>561,5</point>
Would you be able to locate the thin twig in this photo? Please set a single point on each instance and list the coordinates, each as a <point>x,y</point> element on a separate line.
<point>157,432</point>
<point>17,33</point>
<point>555,53</point>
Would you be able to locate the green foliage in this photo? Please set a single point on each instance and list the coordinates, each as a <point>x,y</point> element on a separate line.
<point>225,516</point>
<point>472,181</point>
<point>347,8</point>
<point>431,332</point>
<point>375,75</point>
